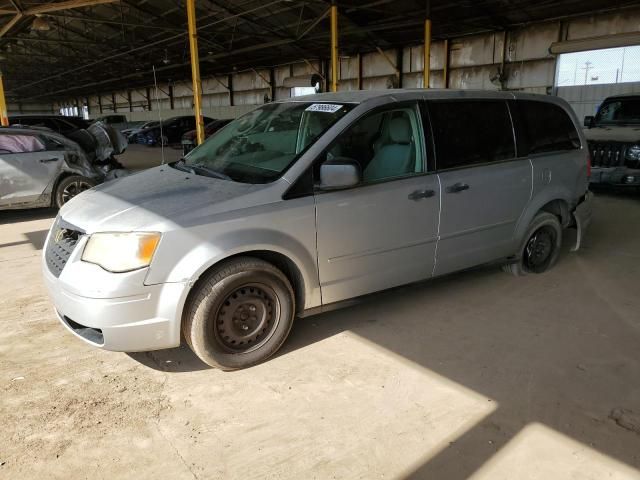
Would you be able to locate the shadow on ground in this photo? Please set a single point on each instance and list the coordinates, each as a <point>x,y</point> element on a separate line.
<point>559,349</point>
<point>18,216</point>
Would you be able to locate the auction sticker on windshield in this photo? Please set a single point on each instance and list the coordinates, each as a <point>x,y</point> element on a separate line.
<point>324,107</point>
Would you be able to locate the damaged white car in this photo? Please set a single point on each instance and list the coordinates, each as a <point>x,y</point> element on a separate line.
<point>41,168</point>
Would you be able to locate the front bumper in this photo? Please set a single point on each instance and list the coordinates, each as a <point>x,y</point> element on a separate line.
<point>582,216</point>
<point>115,311</point>
<point>618,176</point>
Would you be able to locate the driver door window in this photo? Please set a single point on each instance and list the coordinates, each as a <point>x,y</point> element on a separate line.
<point>385,144</point>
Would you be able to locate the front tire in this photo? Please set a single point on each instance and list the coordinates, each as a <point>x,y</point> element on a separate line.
<point>541,247</point>
<point>239,314</point>
<point>71,186</point>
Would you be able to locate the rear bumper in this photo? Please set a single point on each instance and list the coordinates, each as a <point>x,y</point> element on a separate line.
<point>582,216</point>
<point>618,176</point>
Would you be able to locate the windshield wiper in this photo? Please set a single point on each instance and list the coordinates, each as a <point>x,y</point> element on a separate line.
<point>209,172</point>
<point>181,165</point>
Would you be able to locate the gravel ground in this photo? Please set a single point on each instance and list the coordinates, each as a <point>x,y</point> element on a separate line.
<point>475,375</point>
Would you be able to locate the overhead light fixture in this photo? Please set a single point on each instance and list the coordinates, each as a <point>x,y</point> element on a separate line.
<point>40,24</point>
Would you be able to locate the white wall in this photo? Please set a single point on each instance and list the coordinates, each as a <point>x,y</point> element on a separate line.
<point>16,108</point>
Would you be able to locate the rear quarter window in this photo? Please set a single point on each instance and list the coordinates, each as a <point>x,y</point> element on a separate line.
<point>543,127</point>
<point>471,132</point>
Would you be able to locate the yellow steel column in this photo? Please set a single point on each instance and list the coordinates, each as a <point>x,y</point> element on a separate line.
<point>195,70</point>
<point>334,47</point>
<point>426,74</point>
<point>445,70</point>
<point>4,116</point>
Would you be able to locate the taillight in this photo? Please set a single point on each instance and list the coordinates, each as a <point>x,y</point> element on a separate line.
<point>588,164</point>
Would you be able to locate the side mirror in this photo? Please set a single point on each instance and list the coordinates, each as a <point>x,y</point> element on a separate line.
<point>589,121</point>
<point>339,172</point>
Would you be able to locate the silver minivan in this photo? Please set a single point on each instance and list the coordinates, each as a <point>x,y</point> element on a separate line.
<point>306,203</point>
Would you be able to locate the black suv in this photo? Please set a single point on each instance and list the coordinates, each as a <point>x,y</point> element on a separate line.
<point>58,123</point>
<point>613,135</point>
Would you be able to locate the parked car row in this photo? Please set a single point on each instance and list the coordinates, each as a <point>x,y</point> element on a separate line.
<point>169,131</point>
<point>189,139</point>
<point>302,205</point>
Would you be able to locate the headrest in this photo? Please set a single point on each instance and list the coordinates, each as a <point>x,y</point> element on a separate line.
<point>400,130</point>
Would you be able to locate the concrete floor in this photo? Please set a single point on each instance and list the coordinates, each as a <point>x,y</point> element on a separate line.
<point>477,375</point>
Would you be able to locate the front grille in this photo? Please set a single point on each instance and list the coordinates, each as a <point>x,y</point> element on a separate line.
<point>607,154</point>
<point>62,243</point>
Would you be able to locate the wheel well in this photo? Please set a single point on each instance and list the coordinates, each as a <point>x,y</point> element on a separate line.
<point>560,209</point>
<point>282,263</point>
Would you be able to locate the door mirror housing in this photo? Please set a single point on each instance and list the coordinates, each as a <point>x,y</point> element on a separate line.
<point>340,172</point>
<point>589,121</point>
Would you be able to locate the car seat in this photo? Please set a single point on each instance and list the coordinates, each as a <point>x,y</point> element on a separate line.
<point>395,158</point>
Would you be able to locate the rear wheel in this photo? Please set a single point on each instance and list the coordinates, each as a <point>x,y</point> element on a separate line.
<point>239,314</point>
<point>541,247</point>
<point>71,186</point>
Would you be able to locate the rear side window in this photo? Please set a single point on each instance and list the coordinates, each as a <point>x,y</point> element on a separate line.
<point>544,127</point>
<point>471,132</point>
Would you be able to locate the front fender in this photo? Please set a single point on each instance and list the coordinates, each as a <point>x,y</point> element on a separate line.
<point>200,255</point>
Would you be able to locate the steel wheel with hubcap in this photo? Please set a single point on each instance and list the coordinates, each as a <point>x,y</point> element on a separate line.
<point>247,318</point>
<point>239,313</point>
<point>541,247</point>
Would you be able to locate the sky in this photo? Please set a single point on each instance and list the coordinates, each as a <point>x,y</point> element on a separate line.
<point>611,65</point>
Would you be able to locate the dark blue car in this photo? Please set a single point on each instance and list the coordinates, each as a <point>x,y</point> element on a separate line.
<point>169,131</point>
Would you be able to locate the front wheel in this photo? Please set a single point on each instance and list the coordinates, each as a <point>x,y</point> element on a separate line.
<point>541,246</point>
<point>71,186</point>
<point>239,314</point>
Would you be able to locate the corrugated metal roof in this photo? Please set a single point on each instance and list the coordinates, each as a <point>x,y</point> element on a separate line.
<point>114,44</point>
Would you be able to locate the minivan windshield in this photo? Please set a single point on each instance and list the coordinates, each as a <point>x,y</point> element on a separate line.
<point>619,111</point>
<point>259,146</point>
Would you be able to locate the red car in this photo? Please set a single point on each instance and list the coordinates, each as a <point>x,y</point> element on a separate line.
<point>189,138</point>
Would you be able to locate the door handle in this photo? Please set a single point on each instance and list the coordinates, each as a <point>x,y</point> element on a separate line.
<point>458,187</point>
<point>418,194</point>
<point>47,160</point>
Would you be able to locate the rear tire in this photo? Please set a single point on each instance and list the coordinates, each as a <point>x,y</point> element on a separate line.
<point>541,246</point>
<point>71,186</point>
<point>239,314</point>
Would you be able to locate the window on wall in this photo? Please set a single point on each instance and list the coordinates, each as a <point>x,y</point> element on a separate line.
<point>596,67</point>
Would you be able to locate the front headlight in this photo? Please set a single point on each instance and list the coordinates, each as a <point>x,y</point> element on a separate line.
<point>633,153</point>
<point>121,252</point>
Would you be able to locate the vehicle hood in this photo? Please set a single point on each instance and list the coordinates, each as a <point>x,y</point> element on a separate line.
<point>613,133</point>
<point>159,199</point>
